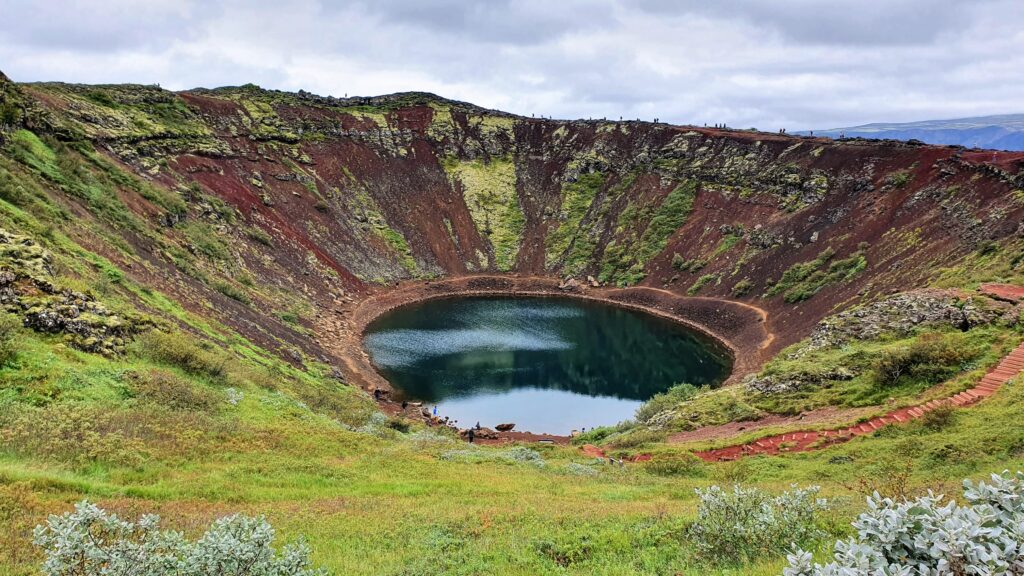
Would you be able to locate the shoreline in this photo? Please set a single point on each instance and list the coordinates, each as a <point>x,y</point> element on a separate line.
<point>740,329</point>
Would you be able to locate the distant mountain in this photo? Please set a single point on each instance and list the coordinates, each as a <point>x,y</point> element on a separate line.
<point>1002,132</point>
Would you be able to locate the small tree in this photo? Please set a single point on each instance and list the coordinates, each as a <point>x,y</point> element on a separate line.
<point>92,542</point>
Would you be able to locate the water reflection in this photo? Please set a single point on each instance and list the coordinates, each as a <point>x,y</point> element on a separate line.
<point>547,364</point>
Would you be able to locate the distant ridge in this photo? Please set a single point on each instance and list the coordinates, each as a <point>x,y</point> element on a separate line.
<point>1000,132</point>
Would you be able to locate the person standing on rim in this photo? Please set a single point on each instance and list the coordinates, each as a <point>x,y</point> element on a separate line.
<point>471,434</point>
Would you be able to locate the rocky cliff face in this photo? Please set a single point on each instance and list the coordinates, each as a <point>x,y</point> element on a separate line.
<point>273,206</point>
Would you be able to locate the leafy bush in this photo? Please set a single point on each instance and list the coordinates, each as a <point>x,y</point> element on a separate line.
<point>514,455</point>
<point>939,418</point>
<point>666,400</point>
<point>899,179</point>
<point>92,542</point>
<point>260,237</point>
<point>203,239</point>
<point>577,469</point>
<point>931,359</point>
<point>9,328</point>
<point>925,536</point>
<point>231,291</point>
<point>748,524</point>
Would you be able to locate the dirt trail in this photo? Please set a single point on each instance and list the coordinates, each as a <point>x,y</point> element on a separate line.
<point>1008,368</point>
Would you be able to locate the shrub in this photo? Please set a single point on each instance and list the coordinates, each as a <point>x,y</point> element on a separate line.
<point>9,329</point>
<point>899,179</point>
<point>742,288</point>
<point>91,542</point>
<point>666,400</point>
<point>203,239</point>
<point>939,418</point>
<point>577,469</point>
<point>260,237</point>
<point>166,389</point>
<point>231,291</point>
<point>686,465</point>
<point>747,524</point>
<point>927,536</point>
<point>930,359</point>
<point>180,350</point>
<point>702,282</point>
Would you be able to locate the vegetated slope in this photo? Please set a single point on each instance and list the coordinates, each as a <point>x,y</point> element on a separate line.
<point>1000,132</point>
<point>235,220</point>
<point>275,194</point>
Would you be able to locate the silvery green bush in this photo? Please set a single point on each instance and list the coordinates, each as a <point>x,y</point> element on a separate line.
<point>746,523</point>
<point>93,542</point>
<point>928,537</point>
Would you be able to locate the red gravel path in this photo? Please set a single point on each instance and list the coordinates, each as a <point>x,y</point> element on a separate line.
<point>1009,367</point>
<point>1008,292</point>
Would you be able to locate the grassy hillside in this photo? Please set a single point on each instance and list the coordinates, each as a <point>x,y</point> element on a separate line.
<point>168,263</point>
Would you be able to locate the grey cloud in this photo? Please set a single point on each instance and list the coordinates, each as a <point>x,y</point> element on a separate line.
<point>97,26</point>
<point>748,63</point>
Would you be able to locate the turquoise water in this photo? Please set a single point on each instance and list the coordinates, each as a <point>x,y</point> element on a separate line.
<point>549,365</point>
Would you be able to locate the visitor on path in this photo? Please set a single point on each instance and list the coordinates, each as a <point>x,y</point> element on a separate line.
<point>435,410</point>
<point>471,434</point>
<point>405,404</point>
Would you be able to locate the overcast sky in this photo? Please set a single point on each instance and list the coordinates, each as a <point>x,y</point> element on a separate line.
<point>763,63</point>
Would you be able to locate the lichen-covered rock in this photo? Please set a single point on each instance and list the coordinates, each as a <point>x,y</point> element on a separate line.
<point>903,313</point>
<point>772,384</point>
<point>26,289</point>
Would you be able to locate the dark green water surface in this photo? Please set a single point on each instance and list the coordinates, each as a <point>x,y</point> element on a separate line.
<point>547,364</point>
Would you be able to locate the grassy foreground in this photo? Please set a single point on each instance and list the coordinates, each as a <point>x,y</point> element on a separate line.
<point>204,441</point>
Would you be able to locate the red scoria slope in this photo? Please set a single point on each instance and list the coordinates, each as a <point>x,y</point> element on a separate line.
<point>353,195</point>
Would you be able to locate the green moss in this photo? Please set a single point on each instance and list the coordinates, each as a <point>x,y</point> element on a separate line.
<point>489,190</point>
<point>803,280</point>
<point>643,233</point>
<point>205,240</point>
<point>577,199</point>
<point>397,243</point>
<point>702,282</point>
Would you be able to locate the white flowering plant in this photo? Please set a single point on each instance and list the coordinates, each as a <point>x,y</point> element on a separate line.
<point>928,536</point>
<point>91,542</point>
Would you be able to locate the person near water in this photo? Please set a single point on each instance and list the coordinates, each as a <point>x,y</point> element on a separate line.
<point>471,434</point>
<point>435,410</point>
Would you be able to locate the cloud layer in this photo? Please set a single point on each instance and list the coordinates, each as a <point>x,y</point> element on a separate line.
<point>793,63</point>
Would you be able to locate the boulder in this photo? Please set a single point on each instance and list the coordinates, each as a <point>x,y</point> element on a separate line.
<point>505,427</point>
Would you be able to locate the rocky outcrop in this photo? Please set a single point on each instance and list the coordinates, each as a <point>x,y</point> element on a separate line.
<point>28,291</point>
<point>903,313</point>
